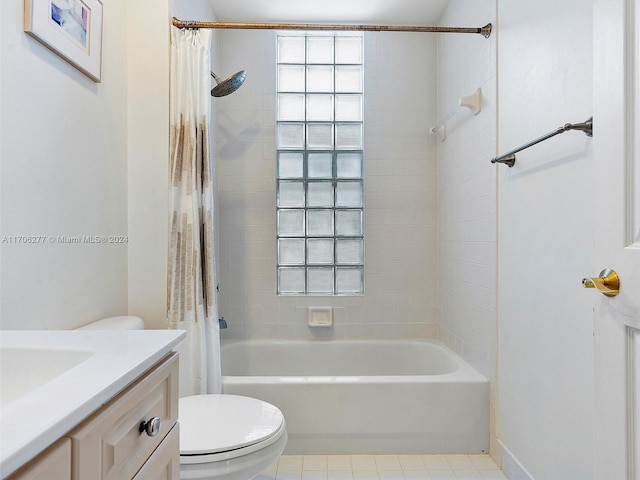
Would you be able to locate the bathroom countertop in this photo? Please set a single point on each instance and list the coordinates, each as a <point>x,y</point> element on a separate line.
<point>40,413</point>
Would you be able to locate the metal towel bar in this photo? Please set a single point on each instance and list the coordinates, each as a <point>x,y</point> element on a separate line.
<point>510,158</point>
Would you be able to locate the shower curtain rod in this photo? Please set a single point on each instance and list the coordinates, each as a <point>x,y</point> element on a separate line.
<point>484,31</point>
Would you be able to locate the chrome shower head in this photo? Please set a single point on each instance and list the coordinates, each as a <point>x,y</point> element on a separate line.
<point>230,85</point>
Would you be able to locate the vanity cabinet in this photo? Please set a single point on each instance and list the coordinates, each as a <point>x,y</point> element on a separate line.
<point>52,464</point>
<point>163,464</point>
<point>134,435</point>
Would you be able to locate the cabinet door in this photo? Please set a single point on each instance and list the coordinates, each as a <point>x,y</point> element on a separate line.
<point>110,445</point>
<point>52,464</point>
<point>164,464</point>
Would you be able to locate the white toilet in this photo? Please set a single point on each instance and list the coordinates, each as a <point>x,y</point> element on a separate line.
<point>222,437</point>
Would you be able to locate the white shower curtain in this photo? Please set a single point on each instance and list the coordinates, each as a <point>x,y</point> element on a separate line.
<point>191,283</point>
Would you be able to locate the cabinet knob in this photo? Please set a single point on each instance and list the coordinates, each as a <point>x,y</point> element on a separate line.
<point>152,427</point>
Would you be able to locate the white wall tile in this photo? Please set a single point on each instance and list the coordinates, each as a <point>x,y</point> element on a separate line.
<point>467,185</point>
<point>401,193</point>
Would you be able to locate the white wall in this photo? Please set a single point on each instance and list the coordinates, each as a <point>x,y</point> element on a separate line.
<point>64,172</point>
<point>467,192</point>
<point>400,206</point>
<point>148,64</point>
<point>80,158</point>
<point>148,153</point>
<point>545,241</point>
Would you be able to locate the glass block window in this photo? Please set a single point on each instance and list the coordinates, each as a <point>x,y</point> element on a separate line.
<point>320,165</point>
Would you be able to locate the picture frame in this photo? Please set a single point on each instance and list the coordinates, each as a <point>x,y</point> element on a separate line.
<point>70,28</point>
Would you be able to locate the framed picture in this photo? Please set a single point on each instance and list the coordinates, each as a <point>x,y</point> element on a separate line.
<point>71,28</point>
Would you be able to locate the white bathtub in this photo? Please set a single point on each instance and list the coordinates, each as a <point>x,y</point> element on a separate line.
<point>360,396</point>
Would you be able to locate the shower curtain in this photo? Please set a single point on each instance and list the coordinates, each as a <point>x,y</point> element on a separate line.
<point>191,283</point>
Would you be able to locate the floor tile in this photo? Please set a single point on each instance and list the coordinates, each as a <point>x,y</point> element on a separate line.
<point>363,462</point>
<point>365,475</point>
<point>493,475</point>
<point>340,475</point>
<point>315,475</point>
<point>483,462</point>
<point>290,462</point>
<point>459,462</point>
<point>442,475</point>
<point>314,462</point>
<point>387,462</point>
<point>338,462</point>
<point>468,475</point>
<point>289,475</point>
<point>435,462</point>
<point>383,467</point>
<point>391,475</point>
<point>417,475</point>
<point>411,462</point>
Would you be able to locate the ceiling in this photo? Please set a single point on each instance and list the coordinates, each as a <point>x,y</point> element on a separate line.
<point>376,12</point>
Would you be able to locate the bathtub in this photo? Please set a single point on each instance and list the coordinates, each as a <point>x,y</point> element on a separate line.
<point>364,397</point>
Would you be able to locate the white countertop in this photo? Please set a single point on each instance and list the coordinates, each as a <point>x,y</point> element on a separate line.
<point>31,423</point>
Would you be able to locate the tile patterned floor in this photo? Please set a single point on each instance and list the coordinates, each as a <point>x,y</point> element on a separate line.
<point>383,467</point>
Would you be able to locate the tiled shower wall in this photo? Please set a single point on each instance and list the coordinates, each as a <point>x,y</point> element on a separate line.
<point>401,289</point>
<point>467,191</point>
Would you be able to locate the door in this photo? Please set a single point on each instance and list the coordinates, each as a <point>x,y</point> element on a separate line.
<point>616,148</point>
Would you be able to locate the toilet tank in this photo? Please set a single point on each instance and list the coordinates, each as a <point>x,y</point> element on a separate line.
<point>116,323</point>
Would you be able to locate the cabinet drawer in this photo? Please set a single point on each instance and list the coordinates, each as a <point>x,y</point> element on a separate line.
<point>109,445</point>
<point>164,464</point>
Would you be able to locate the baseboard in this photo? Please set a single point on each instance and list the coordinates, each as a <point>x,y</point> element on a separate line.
<point>509,464</point>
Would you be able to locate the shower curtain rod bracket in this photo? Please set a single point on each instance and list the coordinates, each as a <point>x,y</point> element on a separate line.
<point>190,24</point>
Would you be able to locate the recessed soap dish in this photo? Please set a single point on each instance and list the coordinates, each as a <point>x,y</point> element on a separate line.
<point>320,316</point>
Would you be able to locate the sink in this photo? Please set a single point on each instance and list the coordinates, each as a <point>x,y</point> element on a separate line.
<point>51,380</point>
<point>23,369</point>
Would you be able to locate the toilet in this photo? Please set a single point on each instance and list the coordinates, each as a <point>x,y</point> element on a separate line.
<point>228,436</point>
<point>222,437</point>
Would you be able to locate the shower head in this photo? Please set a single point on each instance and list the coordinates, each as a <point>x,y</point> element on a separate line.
<point>230,85</point>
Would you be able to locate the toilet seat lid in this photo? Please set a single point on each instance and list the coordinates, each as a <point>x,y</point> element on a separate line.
<point>219,423</point>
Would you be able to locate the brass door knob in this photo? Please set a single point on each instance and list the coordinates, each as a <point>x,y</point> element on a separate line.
<point>608,283</point>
